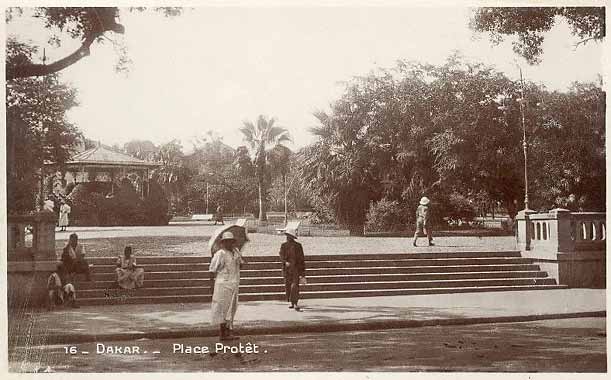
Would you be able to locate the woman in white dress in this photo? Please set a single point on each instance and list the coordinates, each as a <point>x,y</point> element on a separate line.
<point>64,212</point>
<point>129,275</point>
<point>226,266</point>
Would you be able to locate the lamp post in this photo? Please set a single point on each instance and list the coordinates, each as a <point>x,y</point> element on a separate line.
<point>524,144</point>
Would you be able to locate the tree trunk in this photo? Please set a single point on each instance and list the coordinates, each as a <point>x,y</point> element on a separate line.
<point>262,216</point>
<point>286,212</point>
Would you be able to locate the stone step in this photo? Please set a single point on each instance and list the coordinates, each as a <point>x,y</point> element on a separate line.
<point>316,287</point>
<point>195,275</point>
<point>310,295</point>
<point>397,292</point>
<point>110,275</point>
<point>202,259</point>
<point>335,264</point>
<point>398,277</point>
<point>396,270</point>
<point>403,256</point>
<point>278,279</point>
<point>143,260</point>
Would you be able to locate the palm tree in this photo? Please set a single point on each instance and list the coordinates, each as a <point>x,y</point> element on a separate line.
<point>280,158</point>
<point>261,137</point>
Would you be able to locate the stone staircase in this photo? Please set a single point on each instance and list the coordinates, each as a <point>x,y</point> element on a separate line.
<point>186,279</point>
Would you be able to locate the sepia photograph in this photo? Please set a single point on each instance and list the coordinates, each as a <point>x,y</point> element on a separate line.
<point>303,187</point>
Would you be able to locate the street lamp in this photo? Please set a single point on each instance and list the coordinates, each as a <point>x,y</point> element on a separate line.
<point>524,145</point>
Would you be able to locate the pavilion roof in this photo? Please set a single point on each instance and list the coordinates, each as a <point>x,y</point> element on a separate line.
<point>105,156</point>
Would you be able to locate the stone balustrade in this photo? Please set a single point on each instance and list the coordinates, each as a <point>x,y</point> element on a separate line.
<point>572,244</point>
<point>31,237</point>
<point>31,258</point>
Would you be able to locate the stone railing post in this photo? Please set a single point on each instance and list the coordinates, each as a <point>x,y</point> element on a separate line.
<point>561,230</point>
<point>29,266</point>
<point>524,229</point>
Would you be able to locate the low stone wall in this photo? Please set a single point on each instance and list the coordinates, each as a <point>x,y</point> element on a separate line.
<point>570,246</point>
<point>27,283</point>
<point>583,269</point>
<point>31,259</point>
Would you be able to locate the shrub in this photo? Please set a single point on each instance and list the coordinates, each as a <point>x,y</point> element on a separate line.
<point>386,215</point>
<point>451,208</point>
<point>156,206</point>
<point>124,208</point>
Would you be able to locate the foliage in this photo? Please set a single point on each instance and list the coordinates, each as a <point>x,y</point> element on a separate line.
<point>569,138</point>
<point>90,207</point>
<point>530,24</point>
<point>142,149</point>
<point>88,25</point>
<point>172,173</point>
<point>260,138</point>
<point>38,130</point>
<point>453,208</point>
<point>453,132</point>
<point>386,215</point>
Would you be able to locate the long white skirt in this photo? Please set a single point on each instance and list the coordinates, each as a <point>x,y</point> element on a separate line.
<point>224,302</point>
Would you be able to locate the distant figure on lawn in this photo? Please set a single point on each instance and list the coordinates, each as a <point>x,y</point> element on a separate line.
<point>218,216</point>
<point>293,267</point>
<point>73,258</point>
<point>129,275</point>
<point>64,213</point>
<point>60,288</point>
<point>423,221</point>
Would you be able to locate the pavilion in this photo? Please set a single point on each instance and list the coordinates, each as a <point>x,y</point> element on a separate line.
<point>103,164</point>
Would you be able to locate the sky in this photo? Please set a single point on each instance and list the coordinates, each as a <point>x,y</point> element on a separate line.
<point>212,68</point>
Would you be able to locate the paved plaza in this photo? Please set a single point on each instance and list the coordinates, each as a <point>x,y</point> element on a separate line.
<point>192,239</point>
<point>562,345</point>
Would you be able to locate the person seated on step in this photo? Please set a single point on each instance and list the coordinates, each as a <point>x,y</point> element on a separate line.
<point>129,274</point>
<point>60,289</point>
<point>73,258</point>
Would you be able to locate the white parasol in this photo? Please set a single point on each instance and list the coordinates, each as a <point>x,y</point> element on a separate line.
<point>239,232</point>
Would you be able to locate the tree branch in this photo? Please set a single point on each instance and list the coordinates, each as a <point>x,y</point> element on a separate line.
<point>32,69</point>
<point>583,42</point>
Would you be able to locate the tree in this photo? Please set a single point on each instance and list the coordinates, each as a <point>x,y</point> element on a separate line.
<point>142,149</point>
<point>569,145</point>
<point>261,137</point>
<point>38,130</point>
<point>87,25</point>
<point>172,174</point>
<point>453,132</point>
<point>530,24</point>
<point>280,164</point>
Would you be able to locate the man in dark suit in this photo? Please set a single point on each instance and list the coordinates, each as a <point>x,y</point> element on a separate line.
<point>293,267</point>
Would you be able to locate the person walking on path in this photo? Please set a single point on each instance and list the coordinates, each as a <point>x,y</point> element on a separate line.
<point>218,216</point>
<point>64,213</point>
<point>73,258</point>
<point>129,275</point>
<point>293,267</point>
<point>225,264</point>
<point>423,221</point>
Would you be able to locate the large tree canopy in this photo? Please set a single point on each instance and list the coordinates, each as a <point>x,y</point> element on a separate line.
<point>38,130</point>
<point>87,25</point>
<point>530,24</point>
<point>453,132</point>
